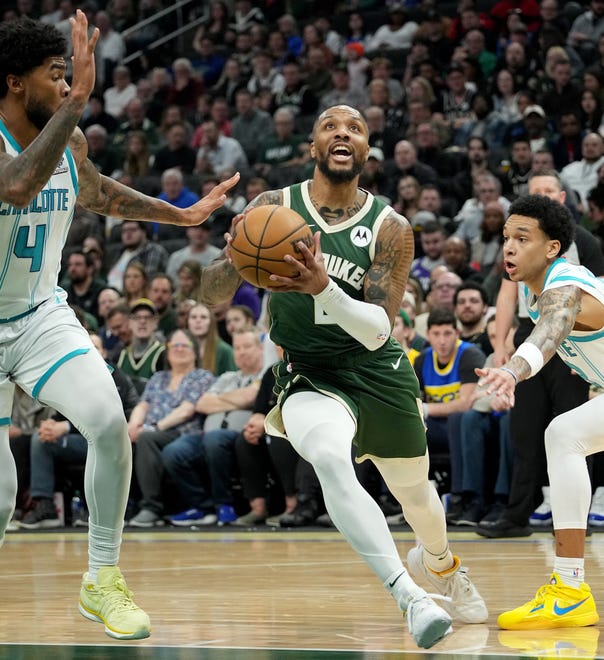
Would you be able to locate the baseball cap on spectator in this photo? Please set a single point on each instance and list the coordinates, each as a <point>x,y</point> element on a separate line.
<point>143,303</point>
<point>377,153</point>
<point>534,110</point>
<point>421,218</point>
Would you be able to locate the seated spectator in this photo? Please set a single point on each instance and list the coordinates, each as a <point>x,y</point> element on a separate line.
<point>471,306</point>
<point>136,246</point>
<point>215,354</point>
<point>342,92</point>
<point>486,250</point>
<point>104,157</point>
<point>219,153</point>
<point>144,355</point>
<point>198,249</point>
<point>206,61</point>
<point>447,381</point>
<point>567,147</point>
<point>120,93</point>
<point>582,175</point>
<point>174,191</point>
<point>166,411</point>
<point>282,148</point>
<point>265,75</point>
<point>515,177</point>
<point>406,201</point>
<point>317,73</point>
<point>218,110</point>
<point>239,318</point>
<point>432,240</point>
<point>405,163</point>
<point>187,86</point>
<point>216,26</point>
<point>296,94</point>
<point>135,283</point>
<point>251,125</point>
<point>136,120</point>
<point>188,278</point>
<point>469,219</point>
<point>396,34</point>
<point>176,154</point>
<point>231,79</point>
<point>95,114</point>
<point>137,159</point>
<point>161,292</point>
<point>227,405</point>
<point>443,284</point>
<point>106,300</point>
<point>83,288</point>
<point>455,258</point>
<point>174,114</point>
<point>56,441</point>
<point>380,136</point>
<point>401,331</point>
<point>117,330</point>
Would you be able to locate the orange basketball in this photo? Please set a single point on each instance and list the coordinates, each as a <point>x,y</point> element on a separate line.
<point>263,238</point>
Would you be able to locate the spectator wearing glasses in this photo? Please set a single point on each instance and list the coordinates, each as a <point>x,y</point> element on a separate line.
<point>165,411</point>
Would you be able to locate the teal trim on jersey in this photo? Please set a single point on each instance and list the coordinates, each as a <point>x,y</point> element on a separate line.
<point>565,278</point>
<point>72,171</point>
<point>5,134</point>
<point>20,316</point>
<point>4,421</point>
<point>40,384</point>
<point>592,337</point>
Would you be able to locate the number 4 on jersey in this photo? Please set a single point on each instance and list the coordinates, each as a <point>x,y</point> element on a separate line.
<point>24,250</point>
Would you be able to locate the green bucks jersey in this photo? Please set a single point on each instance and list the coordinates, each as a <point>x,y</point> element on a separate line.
<point>298,323</point>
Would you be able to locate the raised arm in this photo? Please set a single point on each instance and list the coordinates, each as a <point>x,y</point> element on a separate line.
<point>103,195</point>
<point>220,279</point>
<point>558,311</point>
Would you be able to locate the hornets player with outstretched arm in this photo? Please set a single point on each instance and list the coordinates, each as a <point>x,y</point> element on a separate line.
<point>343,379</point>
<point>44,170</point>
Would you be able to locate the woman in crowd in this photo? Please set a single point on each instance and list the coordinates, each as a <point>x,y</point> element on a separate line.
<point>165,411</point>
<point>215,354</point>
<point>135,283</point>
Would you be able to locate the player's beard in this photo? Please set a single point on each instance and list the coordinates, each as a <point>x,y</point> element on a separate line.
<point>340,175</point>
<point>38,113</point>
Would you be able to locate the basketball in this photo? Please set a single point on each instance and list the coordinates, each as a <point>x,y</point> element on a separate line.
<point>263,238</point>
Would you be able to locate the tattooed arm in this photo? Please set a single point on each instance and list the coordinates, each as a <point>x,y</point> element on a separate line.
<point>103,195</point>
<point>386,279</point>
<point>558,312</point>
<point>220,280</point>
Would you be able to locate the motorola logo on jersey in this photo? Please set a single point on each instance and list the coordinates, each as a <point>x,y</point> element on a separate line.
<point>361,236</point>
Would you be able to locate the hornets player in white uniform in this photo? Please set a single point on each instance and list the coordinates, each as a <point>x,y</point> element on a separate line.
<point>44,170</point>
<point>566,303</point>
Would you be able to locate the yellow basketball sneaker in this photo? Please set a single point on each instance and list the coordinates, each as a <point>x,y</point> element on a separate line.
<point>110,602</point>
<point>555,605</point>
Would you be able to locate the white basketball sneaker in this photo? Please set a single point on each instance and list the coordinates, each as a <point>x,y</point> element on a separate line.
<point>463,602</point>
<point>428,623</point>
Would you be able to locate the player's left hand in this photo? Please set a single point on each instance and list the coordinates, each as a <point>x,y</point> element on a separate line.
<point>312,277</point>
<point>201,211</point>
<point>500,384</point>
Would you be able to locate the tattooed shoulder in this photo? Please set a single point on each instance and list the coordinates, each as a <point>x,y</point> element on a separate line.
<point>265,198</point>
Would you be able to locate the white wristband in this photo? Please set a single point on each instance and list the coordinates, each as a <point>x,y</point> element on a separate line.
<point>531,354</point>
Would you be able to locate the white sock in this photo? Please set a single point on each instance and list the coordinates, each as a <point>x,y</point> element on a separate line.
<point>103,548</point>
<point>402,588</point>
<point>571,570</point>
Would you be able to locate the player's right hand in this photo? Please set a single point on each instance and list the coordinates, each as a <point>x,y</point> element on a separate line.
<point>84,74</point>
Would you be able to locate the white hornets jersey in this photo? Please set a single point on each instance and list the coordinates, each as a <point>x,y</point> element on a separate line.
<point>32,238</point>
<point>582,351</point>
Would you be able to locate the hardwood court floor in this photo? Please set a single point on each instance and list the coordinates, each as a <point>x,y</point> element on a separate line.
<point>267,595</point>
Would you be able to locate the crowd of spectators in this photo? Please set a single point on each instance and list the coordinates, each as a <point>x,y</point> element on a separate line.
<point>464,101</point>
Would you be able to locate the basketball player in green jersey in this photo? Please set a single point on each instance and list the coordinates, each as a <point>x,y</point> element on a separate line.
<point>343,379</point>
